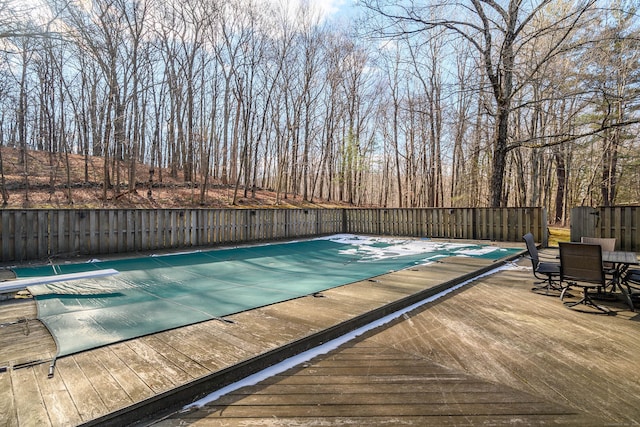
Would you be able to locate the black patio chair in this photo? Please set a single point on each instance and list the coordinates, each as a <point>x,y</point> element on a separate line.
<point>631,281</point>
<point>546,272</point>
<point>581,266</point>
<point>607,244</point>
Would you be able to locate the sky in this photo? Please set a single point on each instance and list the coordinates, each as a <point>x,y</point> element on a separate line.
<point>329,8</point>
<point>334,8</point>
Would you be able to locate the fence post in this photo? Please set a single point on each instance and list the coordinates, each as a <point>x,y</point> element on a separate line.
<point>344,220</point>
<point>545,229</point>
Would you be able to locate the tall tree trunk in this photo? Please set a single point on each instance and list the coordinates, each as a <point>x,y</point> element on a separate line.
<point>499,161</point>
<point>561,184</point>
<point>3,184</point>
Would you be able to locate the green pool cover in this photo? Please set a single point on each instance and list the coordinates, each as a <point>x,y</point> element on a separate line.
<point>156,293</point>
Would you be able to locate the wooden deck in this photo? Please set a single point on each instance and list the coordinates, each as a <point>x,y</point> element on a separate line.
<point>493,353</point>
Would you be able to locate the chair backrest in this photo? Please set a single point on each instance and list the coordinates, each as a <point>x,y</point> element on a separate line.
<point>581,262</point>
<point>532,249</point>
<point>607,244</point>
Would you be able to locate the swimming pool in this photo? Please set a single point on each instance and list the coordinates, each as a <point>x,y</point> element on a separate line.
<point>156,293</point>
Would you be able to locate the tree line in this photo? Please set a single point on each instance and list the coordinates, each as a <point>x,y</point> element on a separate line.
<point>477,103</point>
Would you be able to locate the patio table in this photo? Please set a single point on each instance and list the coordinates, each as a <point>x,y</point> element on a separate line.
<point>621,261</point>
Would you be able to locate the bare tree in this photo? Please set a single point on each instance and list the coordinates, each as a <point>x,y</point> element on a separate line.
<point>100,33</point>
<point>614,78</point>
<point>498,33</point>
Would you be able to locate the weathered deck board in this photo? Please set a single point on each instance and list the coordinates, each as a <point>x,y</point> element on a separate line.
<point>193,368</point>
<point>156,377</point>
<point>368,421</point>
<point>188,342</point>
<point>262,328</point>
<point>7,406</point>
<point>29,406</point>
<point>56,398</point>
<point>152,355</point>
<point>372,294</point>
<point>110,392</point>
<point>131,383</point>
<point>14,309</point>
<point>262,412</point>
<point>317,312</point>
<point>79,384</point>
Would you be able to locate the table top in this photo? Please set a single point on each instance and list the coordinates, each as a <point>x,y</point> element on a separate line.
<point>620,257</point>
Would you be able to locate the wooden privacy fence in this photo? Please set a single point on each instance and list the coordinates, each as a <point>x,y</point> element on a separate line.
<point>501,224</point>
<point>36,234</point>
<point>619,222</point>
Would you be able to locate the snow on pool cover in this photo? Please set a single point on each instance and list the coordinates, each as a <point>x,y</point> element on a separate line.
<point>156,293</point>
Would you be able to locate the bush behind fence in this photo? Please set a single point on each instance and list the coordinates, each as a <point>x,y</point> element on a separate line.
<point>38,234</point>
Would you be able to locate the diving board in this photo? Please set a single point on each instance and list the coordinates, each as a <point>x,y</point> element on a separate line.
<point>20,284</point>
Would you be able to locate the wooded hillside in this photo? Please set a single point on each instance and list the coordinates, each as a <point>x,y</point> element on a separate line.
<point>398,103</point>
<point>47,185</point>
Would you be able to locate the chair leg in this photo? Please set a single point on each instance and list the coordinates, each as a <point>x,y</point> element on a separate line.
<point>547,284</point>
<point>628,298</point>
<point>586,300</point>
<point>627,295</point>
